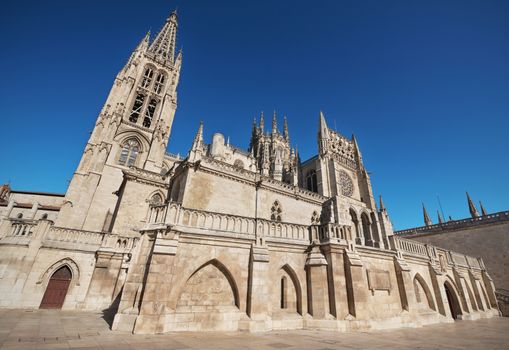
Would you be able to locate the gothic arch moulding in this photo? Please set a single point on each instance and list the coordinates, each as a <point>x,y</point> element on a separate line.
<point>287,269</point>
<point>75,271</point>
<point>215,264</point>
<point>427,292</point>
<point>124,136</point>
<point>154,194</point>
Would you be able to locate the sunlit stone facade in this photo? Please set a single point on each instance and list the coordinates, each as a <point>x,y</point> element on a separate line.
<point>225,238</point>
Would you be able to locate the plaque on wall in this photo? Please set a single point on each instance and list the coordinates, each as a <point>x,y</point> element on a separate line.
<point>379,280</point>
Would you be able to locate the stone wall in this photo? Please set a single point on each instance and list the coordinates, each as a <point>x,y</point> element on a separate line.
<point>489,241</point>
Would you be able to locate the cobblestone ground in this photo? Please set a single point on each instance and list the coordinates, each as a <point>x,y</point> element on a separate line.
<point>44,329</point>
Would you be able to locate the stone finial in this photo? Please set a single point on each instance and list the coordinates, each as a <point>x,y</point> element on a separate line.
<point>285,129</point>
<point>198,139</point>
<point>471,207</point>
<point>483,210</point>
<point>439,218</point>
<point>144,43</point>
<point>274,123</point>
<point>427,220</point>
<point>382,205</point>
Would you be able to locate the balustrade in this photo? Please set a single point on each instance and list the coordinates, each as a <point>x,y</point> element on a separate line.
<point>22,227</point>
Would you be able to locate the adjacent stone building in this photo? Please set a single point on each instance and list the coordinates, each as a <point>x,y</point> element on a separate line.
<point>483,234</point>
<point>225,238</point>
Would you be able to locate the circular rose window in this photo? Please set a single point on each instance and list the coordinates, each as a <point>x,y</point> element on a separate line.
<point>345,184</point>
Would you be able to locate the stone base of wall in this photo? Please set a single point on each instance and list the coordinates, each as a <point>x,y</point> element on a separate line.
<point>237,321</point>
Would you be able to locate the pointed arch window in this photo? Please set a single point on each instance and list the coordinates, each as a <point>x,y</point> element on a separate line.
<point>137,106</point>
<point>156,199</point>
<point>311,181</point>
<point>129,153</point>
<point>284,287</point>
<point>149,113</point>
<point>147,77</point>
<point>276,212</point>
<point>159,84</point>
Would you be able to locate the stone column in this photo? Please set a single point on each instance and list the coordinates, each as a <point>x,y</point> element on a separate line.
<point>405,285</point>
<point>438,290</point>
<point>317,284</point>
<point>356,286</point>
<point>156,291</point>
<point>490,289</point>
<point>338,295</point>
<point>259,298</point>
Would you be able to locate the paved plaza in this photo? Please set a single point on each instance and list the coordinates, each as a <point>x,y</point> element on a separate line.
<point>47,329</point>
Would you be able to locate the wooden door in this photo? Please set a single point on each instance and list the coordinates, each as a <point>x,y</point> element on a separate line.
<point>56,290</point>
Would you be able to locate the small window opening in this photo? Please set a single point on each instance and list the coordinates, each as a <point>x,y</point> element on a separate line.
<point>149,114</point>
<point>159,84</point>
<point>284,303</point>
<point>137,106</point>
<point>147,78</point>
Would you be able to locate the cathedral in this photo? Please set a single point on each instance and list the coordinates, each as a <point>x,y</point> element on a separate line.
<point>223,239</point>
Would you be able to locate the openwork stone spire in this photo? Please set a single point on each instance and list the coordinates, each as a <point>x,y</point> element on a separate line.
<point>163,46</point>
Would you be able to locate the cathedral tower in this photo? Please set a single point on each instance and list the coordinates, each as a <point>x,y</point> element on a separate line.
<point>132,130</point>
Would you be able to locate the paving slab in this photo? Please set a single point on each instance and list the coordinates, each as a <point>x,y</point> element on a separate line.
<point>53,329</point>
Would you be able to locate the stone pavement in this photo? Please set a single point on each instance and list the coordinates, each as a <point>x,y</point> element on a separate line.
<point>48,329</point>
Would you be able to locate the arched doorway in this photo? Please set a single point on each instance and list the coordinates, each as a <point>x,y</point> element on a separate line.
<point>453,301</point>
<point>56,290</point>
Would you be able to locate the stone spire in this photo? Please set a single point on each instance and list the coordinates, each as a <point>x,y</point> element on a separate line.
<point>262,122</point>
<point>427,220</point>
<point>198,139</point>
<point>357,152</point>
<point>323,134</point>
<point>483,210</point>
<point>163,46</point>
<point>274,123</point>
<point>382,205</point>
<point>440,219</point>
<point>323,130</point>
<point>471,206</point>
<point>285,129</point>
<point>144,43</point>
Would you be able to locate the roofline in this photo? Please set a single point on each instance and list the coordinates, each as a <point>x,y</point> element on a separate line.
<point>40,193</point>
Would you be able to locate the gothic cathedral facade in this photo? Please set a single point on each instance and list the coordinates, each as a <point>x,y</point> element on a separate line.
<point>223,238</point>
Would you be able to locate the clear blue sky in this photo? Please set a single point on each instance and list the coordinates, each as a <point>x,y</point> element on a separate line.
<point>424,85</point>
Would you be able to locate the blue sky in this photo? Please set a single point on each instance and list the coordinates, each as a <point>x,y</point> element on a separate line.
<point>424,86</point>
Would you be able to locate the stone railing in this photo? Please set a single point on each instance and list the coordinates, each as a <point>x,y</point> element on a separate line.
<point>455,225</point>
<point>173,155</point>
<point>177,215</point>
<point>331,231</point>
<point>20,227</point>
<point>240,225</point>
<point>285,230</point>
<point>409,246</point>
<point>459,259</point>
<point>62,234</point>
<point>157,213</point>
<point>429,252</point>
